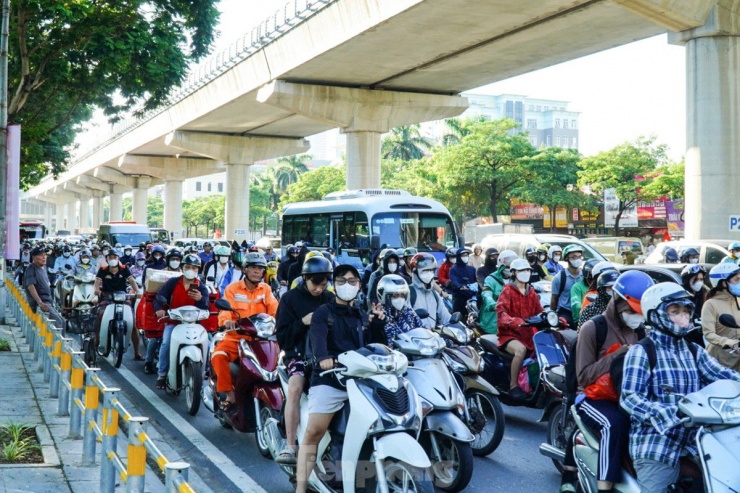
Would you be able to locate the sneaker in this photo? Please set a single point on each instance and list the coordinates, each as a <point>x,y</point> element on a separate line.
<point>567,488</point>
<point>518,394</point>
<point>148,368</point>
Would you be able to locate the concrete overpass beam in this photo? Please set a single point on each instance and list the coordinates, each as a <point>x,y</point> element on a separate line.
<point>712,122</point>
<point>673,15</point>
<point>173,207</point>
<point>139,202</point>
<point>363,114</point>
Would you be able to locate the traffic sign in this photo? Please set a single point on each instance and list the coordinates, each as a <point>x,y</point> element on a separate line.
<point>735,224</point>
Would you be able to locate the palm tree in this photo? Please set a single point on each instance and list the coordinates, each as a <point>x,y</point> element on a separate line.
<point>404,143</point>
<point>458,128</point>
<point>268,181</point>
<point>289,169</point>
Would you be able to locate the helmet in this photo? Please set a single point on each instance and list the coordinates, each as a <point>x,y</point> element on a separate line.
<point>686,253</point>
<point>346,268</point>
<point>631,285</point>
<point>671,254</point>
<point>172,253</point>
<point>254,259</point>
<point>607,278</point>
<point>222,251</point>
<point>530,251</point>
<point>312,254</point>
<point>399,252</point>
<point>85,253</point>
<point>422,261</point>
<point>140,256</point>
<point>463,250</point>
<point>659,296</point>
<point>112,253</point>
<point>451,252</point>
<point>588,268</point>
<point>293,249</point>
<point>506,257</point>
<point>690,271</point>
<point>67,249</point>
<point>491,251</point>
<point>95,247</point>
<point>554,249</point>
<point>118,245</point>
<point>600,267</point>
<point>158,249</point>
<point>383,253</point>
<point>725,270</point>
<point>391,284</point>
<point>127,247</point>
<point>571,249</point>
<point>191,259</point>
<point>208,243</point>
<point>542,248</point>
<point>520,264</point>
<point>410,252</point>
<point>735,245</point>
<point>316,265</point>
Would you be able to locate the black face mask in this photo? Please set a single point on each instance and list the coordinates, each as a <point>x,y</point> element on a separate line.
<point>491,262</point>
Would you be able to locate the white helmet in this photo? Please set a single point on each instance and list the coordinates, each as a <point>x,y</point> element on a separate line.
<point>657,298</point>
<point>601,267</point>
<point>391,284</point>
<point>724,270</point>
<point>506,257</point>
<point>554,249</point>
<point>519,264</point>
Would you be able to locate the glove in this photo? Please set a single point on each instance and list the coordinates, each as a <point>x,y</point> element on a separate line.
<point>563,322</point>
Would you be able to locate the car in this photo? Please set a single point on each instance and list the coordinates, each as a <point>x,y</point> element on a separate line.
<point>520,242</point>
<point>198,242</point>
<point>711,252</point>
<point>611,246</point>
<point>663,272</point>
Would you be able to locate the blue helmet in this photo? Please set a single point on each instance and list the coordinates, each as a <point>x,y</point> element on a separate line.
<point>670,254</point>
<point>631,285</point>
<point>158,249</point>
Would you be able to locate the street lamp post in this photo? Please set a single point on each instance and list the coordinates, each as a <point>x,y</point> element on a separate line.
<point>3,143</point>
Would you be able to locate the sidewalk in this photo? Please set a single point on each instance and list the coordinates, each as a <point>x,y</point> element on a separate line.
<point>24,398</point>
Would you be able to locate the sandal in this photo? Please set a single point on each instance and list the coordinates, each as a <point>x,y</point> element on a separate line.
<point>161,383</point>
<point>139,357</point>
<point>286,456</point>
<point>226,406</point>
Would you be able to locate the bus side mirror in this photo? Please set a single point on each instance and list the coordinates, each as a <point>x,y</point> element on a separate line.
<point>375,242</point>
<point>460,241</point>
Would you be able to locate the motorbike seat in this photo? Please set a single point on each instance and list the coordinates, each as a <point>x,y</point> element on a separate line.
<point>489,342</point>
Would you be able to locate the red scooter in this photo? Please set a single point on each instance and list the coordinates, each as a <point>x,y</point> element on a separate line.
<point>258,395</point>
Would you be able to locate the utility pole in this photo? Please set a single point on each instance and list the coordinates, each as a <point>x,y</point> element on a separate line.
<point>3,144</point>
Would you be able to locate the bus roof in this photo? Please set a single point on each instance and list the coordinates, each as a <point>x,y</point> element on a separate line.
<point>369,200</point>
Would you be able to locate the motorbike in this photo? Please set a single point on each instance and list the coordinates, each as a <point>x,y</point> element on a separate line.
<point>188,353</point>
<point>115,328</point>
<point>444,432</point>
<point>370,444</point>
<point>715,411</point>
<point>81,319</point>
<point>484,414</point>
<point>259,396</point>
<point>64,284</point>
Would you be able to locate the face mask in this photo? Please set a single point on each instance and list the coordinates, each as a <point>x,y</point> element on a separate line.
<point>426,277</point>
<point>190,274</point>
<point>696,286</point>
<point>465,259</point>
<point>401,262</point>
<point>127,252</point>
<point>523,276</point>
<point>223,259</point>
<point>347,292</point>
<point>140,263</point>
<point>693,260</point>
<point>392,267</point>
<point>506,273</point>
<point>174,264</point>
<point>556,258</point>
<point>398,304</point>
<point>105,252</point>
<point>452,260</point>
<point>157,256</point>
<point>113,263</point>
<point>734,289</point>
<point>632,320</point>
<point>66,254</point>
<point>542,257</point>
<point>682,320</point>
<point>85,260</point>
<point>577,263</point>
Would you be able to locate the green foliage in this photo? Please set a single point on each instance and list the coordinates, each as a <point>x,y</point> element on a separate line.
<point>457,128</point>
<point>315,184</point>
<point>155,212</point>
<point>67,57</point>
<point>127,208</point>
<point>404,143</point>
<point>17,442</point>
<point>666,181</point>
<point>4,344</point>
<point>289,169</point>
<point>208,212</point>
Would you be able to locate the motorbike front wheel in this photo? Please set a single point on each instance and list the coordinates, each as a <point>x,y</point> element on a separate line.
<point>91,356</point>
<point>402,478</point>
<point>487,416</point>
<point>118,347</point>
<point>453,469</point>
<point>261,436</point>
<point>193,385</point>
<point>557,435</point>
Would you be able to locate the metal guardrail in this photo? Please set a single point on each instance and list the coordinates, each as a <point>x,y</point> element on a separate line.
<point>78,389</point>
<point>283,20</point>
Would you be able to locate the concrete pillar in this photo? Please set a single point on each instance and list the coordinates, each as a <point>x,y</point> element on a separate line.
<point>236,221</point>
<point>363,154</point>
<point>47,214</point>
<point>84,205</point>
<point>173,207</point>
<point>138,205</point>
<point>59,217</point>
<point>116,207</point>
<point>97,211</point>
<point>71,215</point>
<point>712,123</point>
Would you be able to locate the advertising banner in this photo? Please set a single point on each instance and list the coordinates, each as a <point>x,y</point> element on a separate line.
<point>674,215</point>
<point>520,210</point>
<point>611,209</point>
<point>561,217</point>
<point>651,210</point>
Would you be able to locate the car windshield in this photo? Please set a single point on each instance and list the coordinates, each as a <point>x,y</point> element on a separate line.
<point>129,238</point>
<point>425,231</point>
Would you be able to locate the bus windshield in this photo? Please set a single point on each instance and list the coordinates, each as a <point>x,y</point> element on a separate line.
<point>425,231</point>
<point>129,238</point>
<point>31,231</point>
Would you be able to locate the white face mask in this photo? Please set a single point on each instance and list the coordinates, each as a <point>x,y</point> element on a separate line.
<point>392,267</point>
<point>127,252</point>
<point>105,252</point>
<point>506,273</point>
<point>140,263</point>
<point>113,263</point>
<point>541,257</point>
<point>85,260</point>
<point>556,258</point>
<point>157,256</point>
<point>632,320</point>
<point>174,264</point>
<point>453,260</point>
<point>696,286</point>
<point>190,274</point>
<point>577,263</point>
<point>426,277</point>
<point>398,304</point>
<point>66,254</point>
<point>465,259</point>
<point>693,260</point>
<point>347,292</point>
<point>523,276</point>
<point>223,259</point>
<point>402,262</point>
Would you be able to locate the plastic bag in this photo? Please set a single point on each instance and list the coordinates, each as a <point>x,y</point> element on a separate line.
<point>523,380</point>
<point>602,389</point>
<point>528,376</point>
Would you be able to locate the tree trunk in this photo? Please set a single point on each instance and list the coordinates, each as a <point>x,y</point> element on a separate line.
<point>552,218</point>
<point>264,225</point>
<point>618,218</point>
<point>492,201</point>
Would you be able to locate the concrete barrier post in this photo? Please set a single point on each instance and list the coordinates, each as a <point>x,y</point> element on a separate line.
<point>48,348</point>
<point>108,448</point>
<point>56,356</point>
<point>65,370</point>
<point>136,466</point>
<point>77,381</point>
<point>92,403</point>
<point>175,474</point>
<point>38,336</point>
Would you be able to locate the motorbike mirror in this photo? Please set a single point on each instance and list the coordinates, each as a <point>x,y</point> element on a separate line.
<point>222,304</point>
<point>422,313</point>
<point>210,279</point>
<point>592,297</point>
<point>455,318</point>
<point>728,321</point>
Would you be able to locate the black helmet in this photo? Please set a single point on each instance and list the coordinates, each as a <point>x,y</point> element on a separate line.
<point>67,249</point>
<point>254,259</point>
<point>607,278</point>
<point>530,252</point>
<point>316,265</point>
<point>587,268</point>
<point>687,253</point>
<point>173,253</point>
<point>191,259</point>
<point>690,271</point>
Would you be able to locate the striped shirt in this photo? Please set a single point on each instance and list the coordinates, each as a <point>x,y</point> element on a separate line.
<point>653,432</point>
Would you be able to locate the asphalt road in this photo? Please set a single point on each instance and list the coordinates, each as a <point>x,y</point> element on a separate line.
<point>228,461</point>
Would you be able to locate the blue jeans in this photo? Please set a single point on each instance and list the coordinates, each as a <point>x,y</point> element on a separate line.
<point>164,351</point>
<point>152,347</point>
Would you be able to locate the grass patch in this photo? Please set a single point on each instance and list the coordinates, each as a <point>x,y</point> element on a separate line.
<point>19,445</point>
<point>4,344</point>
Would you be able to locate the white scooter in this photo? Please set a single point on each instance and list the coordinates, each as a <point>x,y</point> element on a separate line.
<point>83,313</point>
<point>370,443</point>
<point>115,328</point>
<point>715,410</point>
<point>444,432</point>
<point>188,354</point>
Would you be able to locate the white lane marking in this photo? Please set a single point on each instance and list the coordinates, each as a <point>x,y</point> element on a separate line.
<point>216,457</point>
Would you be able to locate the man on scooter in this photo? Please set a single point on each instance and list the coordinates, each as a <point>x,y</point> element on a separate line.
<point>185,290</point>
<point>657,439</point>
<point>248,297</point>
<point>109,280</point>
<point>351,329</point>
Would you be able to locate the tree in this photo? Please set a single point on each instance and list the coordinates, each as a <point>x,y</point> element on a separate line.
<point>289,169</point>
<point>127,208</point>
<point>155,212</point>
<point>404,143</point>
<point>457,128</point>
<point>486,166</point>
<point>67,57</point>
<point>667,181</point>
<point>625,168</point>
<point>315,184</point>
<point>551,171</point>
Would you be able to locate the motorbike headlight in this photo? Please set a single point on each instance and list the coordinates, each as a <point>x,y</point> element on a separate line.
<point>384,363</point>
<point>552,319</point>
<point>265,330</point>
<point>454,365</point>
<point>189,316</point>
<point>119,297</point>
<point>427,346</point>
<point>728,409</point>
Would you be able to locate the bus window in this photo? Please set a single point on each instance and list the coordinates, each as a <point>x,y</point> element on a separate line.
<point>425,231</point>
<point>319,231</point>
<point>295,228</point>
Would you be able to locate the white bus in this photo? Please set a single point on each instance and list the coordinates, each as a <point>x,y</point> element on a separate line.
<point>356,222</point>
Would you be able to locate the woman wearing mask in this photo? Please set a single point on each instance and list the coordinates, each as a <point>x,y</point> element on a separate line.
<point>692,280</point>
<point>388,265</point>
<point>490,263</point>
<point>137,269</point>
<point>85,265</point>
<point>492,288</point>
<point>722,341</point>
<point>392,307</point>
<point>553,264</point>
<point>218,267</point>
<point>605,292</point>
<point>156,260</point>
<point>462,282</point>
